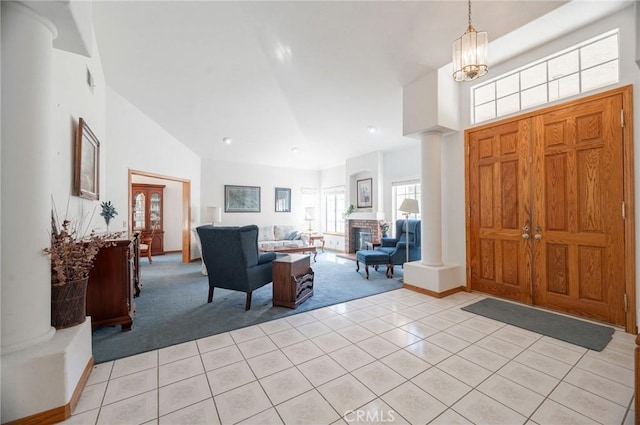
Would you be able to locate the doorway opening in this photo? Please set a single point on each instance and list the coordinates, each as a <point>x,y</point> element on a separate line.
<point>185,206</point>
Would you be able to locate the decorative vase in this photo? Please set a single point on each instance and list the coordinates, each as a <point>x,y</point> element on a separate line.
<point>68,303</point>
<point>384,234</point>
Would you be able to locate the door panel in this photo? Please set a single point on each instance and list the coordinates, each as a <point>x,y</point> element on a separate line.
<point>578,194</point>
<point>545,197</point>
<point>500,258</point>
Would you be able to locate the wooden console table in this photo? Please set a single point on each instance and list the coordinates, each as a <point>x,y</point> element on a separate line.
<point>292,280</point>
<point>314,238</point>
<point>113,282</point>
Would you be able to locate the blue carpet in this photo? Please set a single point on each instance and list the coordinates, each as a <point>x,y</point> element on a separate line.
<point>172,307</point>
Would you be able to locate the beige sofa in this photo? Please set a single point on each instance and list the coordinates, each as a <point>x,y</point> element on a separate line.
<point>270,237</point>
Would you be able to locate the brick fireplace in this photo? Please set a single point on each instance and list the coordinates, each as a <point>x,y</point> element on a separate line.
<point>349,239</point>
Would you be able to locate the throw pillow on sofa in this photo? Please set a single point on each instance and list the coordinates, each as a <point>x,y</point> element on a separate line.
<point>292,236</point>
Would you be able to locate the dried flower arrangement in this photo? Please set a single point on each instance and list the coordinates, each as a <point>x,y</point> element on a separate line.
<point>73,251</point>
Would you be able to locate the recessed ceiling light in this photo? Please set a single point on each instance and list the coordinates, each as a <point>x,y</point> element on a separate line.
<point>294,149</point>
<point>372,129</point>
<point>227,140</point>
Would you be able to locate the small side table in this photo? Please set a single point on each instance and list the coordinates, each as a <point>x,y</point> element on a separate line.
<point>292,280</point>
<point>371,245</point>
<point>314,238</point>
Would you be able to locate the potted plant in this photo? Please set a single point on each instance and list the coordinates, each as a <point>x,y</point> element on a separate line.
<point>72,254</point>
<point>108,212</point>
<point>384,228</point>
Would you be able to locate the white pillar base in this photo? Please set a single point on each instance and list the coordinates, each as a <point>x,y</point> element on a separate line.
<point>48,375</point>
<point>438,281</point>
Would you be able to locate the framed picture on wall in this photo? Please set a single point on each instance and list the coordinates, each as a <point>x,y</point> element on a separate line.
<point>283,199</point>
<point>86,173</point>
<point>364,193</point>
<point>241,198</point>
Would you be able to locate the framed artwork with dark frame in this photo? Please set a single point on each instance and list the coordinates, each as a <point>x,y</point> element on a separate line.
<point>86,174</point>
<point>283,199</point>
<point>241,198</point>
<point>364,195</point>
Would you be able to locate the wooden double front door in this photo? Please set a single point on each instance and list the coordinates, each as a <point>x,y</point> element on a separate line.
<point>546,209</point>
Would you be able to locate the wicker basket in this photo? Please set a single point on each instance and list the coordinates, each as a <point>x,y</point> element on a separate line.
<point>69,303</point>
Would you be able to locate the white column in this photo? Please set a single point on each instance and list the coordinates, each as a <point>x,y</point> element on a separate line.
<point>25,186</point>
<point>431,203</point>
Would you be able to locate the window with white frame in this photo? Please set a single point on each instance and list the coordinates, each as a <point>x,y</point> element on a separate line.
<point>578,69</point>
<point>400,191</point>
<point>333,200</point>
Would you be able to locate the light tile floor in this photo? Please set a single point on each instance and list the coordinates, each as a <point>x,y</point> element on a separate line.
<point>398,357</point>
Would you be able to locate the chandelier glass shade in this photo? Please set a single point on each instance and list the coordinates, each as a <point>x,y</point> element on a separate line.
<point>470,54</point>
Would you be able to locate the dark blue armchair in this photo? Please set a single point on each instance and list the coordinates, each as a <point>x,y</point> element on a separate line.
<point>233,261</point>
<point>397,247</point>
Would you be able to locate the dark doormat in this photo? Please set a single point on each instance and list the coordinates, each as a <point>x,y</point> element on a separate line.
<point>578,332</point>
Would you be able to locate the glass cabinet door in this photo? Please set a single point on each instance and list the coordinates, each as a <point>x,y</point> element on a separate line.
<point>139,211</point>
<point>155,205</point>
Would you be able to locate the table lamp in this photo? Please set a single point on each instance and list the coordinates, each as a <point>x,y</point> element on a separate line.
<point>214,215</point>
<point>408,206</point>
<point>308,216</point>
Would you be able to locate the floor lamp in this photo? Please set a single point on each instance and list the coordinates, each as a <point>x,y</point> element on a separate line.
<point>409,206</point>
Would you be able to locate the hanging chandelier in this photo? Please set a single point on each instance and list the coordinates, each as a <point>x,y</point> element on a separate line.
<point>470,54</point>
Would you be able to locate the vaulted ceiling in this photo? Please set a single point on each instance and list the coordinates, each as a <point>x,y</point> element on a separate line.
<point>274,76</point>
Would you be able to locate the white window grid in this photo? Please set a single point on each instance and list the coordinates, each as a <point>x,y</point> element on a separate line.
<point>486,97</point>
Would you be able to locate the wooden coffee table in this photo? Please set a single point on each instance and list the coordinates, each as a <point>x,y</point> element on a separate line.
<point>293,249</point>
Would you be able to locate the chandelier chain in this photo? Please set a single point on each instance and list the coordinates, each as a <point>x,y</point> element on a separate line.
<point>469,12</point>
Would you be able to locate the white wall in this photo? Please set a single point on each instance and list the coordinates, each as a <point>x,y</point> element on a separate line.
<point>73,99</point>
<point>400,165</point>
<point>139,143</point>
<point>217,174</point>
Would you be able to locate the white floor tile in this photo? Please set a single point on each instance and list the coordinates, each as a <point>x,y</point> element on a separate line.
<point>287,337</point>
<point>607,370</point>
<point>543,363</point>
<point>552,413</point>
<point>182,394</point>
<point>352,357</point>
<point>378,347</point>
<point>84,418</point>
<point>532,379</point>
<point>330,342</point>
<point>448,342</point>
<point>556,351</point>
<point>100,373</point>
<point>257,346</point>
<point>178,370</point>
<point>375,412</point>
<point>515,396</point>
<point>499,346</point>
<point>246,334</point>
<point>355,333</point>
<point>428,352</point>
<point>285,385</point>
<point>405,363</point>
<point>400,337</point>
<point>450,417</point>
<point>177,352</point>
<point>413,404</point>
<point>275,326</point>
<point>131,385</point>
<point>133,364</point>
<point>201,413</point>
<point>419,329</point>
<point>134,410</point>
<point>346,394</point>
<point>481,409</point>
<point>466,371</point>
<point>321,370</point>
<point>377,326</point>
<point>214,342</point>
<point>307,408</point>
<point>302,352</point>
<point>229,377</point>
<point>598,385</point>
<point>91,397</point>
<point>378,377</point>
<point>269,363</point>
<point>241,403</point>
<point>485,358</point>
<point>268,417</point>
<point>221,357</point>
<point>442,386</point>
<point>589,404</point>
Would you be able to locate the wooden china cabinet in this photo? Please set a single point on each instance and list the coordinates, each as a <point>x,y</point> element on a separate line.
<point>147,213</point>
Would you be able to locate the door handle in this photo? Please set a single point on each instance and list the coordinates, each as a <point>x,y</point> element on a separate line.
<point>538,236</point>
<point>525,236</point>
